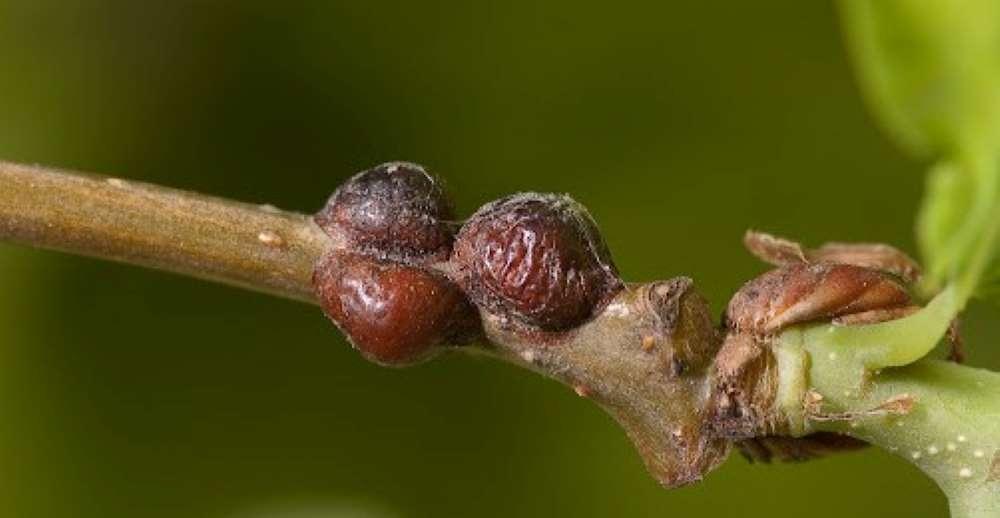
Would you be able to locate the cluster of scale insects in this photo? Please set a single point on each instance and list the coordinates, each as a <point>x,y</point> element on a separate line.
<point>406,279</point>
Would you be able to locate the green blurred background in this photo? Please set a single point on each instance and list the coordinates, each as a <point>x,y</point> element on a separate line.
<point>126,392</point>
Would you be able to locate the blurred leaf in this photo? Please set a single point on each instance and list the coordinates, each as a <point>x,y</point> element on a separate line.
<point>958,224</point>
<point>930,70</point>
<point>949,193</point>
<point>990,289</point>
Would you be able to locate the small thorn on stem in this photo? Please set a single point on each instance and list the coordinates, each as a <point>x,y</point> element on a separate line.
<point>900,404</point>
<point>270,238</point>
<point>957,352</point>
<point>993,474</point>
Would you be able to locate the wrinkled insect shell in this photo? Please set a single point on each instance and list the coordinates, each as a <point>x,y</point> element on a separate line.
<point>536,260</point>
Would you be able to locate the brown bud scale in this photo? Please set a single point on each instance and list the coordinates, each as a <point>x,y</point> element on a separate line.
<point>809,292</point>
<point>537,259</point>
<point>875,256</point>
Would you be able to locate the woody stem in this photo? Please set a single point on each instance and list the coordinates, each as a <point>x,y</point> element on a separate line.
<point>255,247</point>
<point>273,251</point>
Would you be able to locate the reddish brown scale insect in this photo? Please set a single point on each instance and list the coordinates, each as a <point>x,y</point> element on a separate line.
<point>537,259</point>
<point>394,314</point>
<point>396,209</point>
<point>389,223</point>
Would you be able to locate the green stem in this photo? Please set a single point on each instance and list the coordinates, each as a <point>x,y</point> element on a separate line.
<point>893,343</point>
<point>906,340</point>
<point>952,431</point>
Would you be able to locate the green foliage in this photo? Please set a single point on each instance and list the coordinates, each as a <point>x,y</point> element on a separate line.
<point>958,217</point>
<point>931,73</point>
<point>931,70</point>
<point>990,289</point>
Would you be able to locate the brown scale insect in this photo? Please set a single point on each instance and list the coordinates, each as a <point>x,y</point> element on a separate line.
<point>393,314</point>
<point>536,259</point>
<point>389,224</point>
<point>396,209</point>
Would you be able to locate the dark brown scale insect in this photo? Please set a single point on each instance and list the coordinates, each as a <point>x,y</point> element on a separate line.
<point>536,259</point>
<point>396,209</point>
<point>394,314</point>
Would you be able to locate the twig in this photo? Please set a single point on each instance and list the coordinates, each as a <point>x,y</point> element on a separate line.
<point>255,247</point>
<point>625,359</point>
<point>647,358</point>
